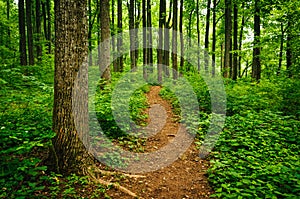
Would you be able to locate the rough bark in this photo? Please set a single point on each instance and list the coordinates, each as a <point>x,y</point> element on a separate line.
<point>70,112</point>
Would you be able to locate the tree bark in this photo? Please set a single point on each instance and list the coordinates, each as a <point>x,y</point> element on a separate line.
<point>149,32</point>
<point>213,59</point>
<point>174,40</point>
<point>29,32</point>
<point>70,112</point>
<point>120,37</point>
<point>241,42</point>
<point>198,36</point>
<point>206,43</point>
<point>145,49</point>
<point>105,41</point>
<point>162,21</point>
<point>132,34</point>
<point>281,48</point>
<point>235,42</point>
<point>166,60</point>
<point>228,28</point>
<point>90,32</point>
<point>181,35</point>
<point>22,32</point>
<point>38,29</point>
<point>256,68</point>
<point>49,25</point>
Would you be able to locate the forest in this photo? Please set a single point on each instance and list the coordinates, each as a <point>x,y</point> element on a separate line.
<point>149,99</point>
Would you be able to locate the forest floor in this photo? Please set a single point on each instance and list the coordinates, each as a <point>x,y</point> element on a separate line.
<point>184,178</point>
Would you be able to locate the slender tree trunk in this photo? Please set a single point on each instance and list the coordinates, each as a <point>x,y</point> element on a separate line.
<point>137,24</point>
<point>149,32</point>
<point>235,42</point>
<point>70,113</point>
<point>289,53</point>
<point>206,43</point>
<point>44,14</point>
<point>90,32</point>
<point>23,52</point>
<point>162,20</point>
<point>132,34</point>
<point>166,60</point>
<point>281,48</point>
<point>29,32</point>
<point>105,41</point>
<point>145,50</point>
<point>120,37</point>
<point>174,40</point>
<point>241,41</point>
<point>228,28</point>
<point>189,33</point>
<point>113,41</point>
<point>8,19</point>
<point>213,60</point>
<point>198,36</point>
<point>49,25</point>
<point>181,35</point>
<point>256,68</point>
<point>38,29</point>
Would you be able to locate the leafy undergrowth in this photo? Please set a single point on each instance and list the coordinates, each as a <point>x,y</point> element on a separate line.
<point>257,154</point>
<point>25,131</point>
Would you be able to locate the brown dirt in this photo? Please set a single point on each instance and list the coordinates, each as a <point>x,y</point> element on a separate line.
<point>184,178</point>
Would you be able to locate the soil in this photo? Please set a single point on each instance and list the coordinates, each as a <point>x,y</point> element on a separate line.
<point>184,178</point>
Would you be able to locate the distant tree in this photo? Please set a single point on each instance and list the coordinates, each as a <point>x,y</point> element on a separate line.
<point>22,31</point>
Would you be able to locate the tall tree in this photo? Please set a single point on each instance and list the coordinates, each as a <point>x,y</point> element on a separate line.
<point>206,42</point>
<point>132,33</point>
<point>38,28</point>
<point>149,32</point>
<point>145,49</point>
<point>256,67</point>
<point>289,54</point>
<point>70,112</point>
<point>174,40</point>
<point>105,41</point>
<point>181,35</point>
<point>22,31</point>
<point>48,2</point>
<point>235,42</point>
<point>228,28</point>
<point>120,36</point>
<point>29,32</point>
<point>162,21</point>
<point>8,18</point>
<point>166,60</point>
<point>113,41</point>
<point>214,39</point>
<point>90,31</point>
<point>198,35</point>
<point>241,41</point>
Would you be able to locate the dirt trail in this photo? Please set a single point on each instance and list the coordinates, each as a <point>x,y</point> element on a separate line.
<point>184,178</point>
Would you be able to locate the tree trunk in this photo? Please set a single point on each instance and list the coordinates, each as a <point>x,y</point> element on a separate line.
<point>29,32</point>
<point>38,29</point>
<point>105,41</point>
<point>44,14</point>
<point>206,43</point>
<point>70,113</point>
<point>120,37</point>
<point>289,54</point>
<point>166,60</point>
<point>145,50</point>
<point>149,32</point>
<point>132,34</point>
<point>281,48</point>
<point>181,36</point>
<point>162,21</point>
<point>8,19</point>
<point>23,52</point>
<point>90,32</point>
<point>174,40</point>
<point>228,28</point>
<point>198,36</point>
<point>241,41</point>
<point>235,42</point>
<point>136,25</point>
<point>113,41</point>
<point>256,68</point>
<point>49,25</point>
<point>213,59</point>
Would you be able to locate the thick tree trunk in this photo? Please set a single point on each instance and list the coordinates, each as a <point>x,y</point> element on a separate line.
<point>22,31</point>
<point>235,42</point>
<point>70,113</point>
<point>174,40</point>
<point>228,28</point>
<point>105,41</point>
<point>29,32</point>
<point>206,43</point>
<point>256,68</point>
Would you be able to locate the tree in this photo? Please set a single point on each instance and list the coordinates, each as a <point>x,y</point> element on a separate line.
<point>132,34</point>
<point>22,49</point>
<point>120,36</point>
<point>235,41</point>
<point>38,28</point>
<point>149,32</point>
<point>181,35</point>
<point>174,40</point>
<point>228,28</point>
<point>70,97</point>
<point>29,32</point>
<point>256,67</point>
<point>162,21</point>
<point>206,43</point>
<point>105,42</point>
